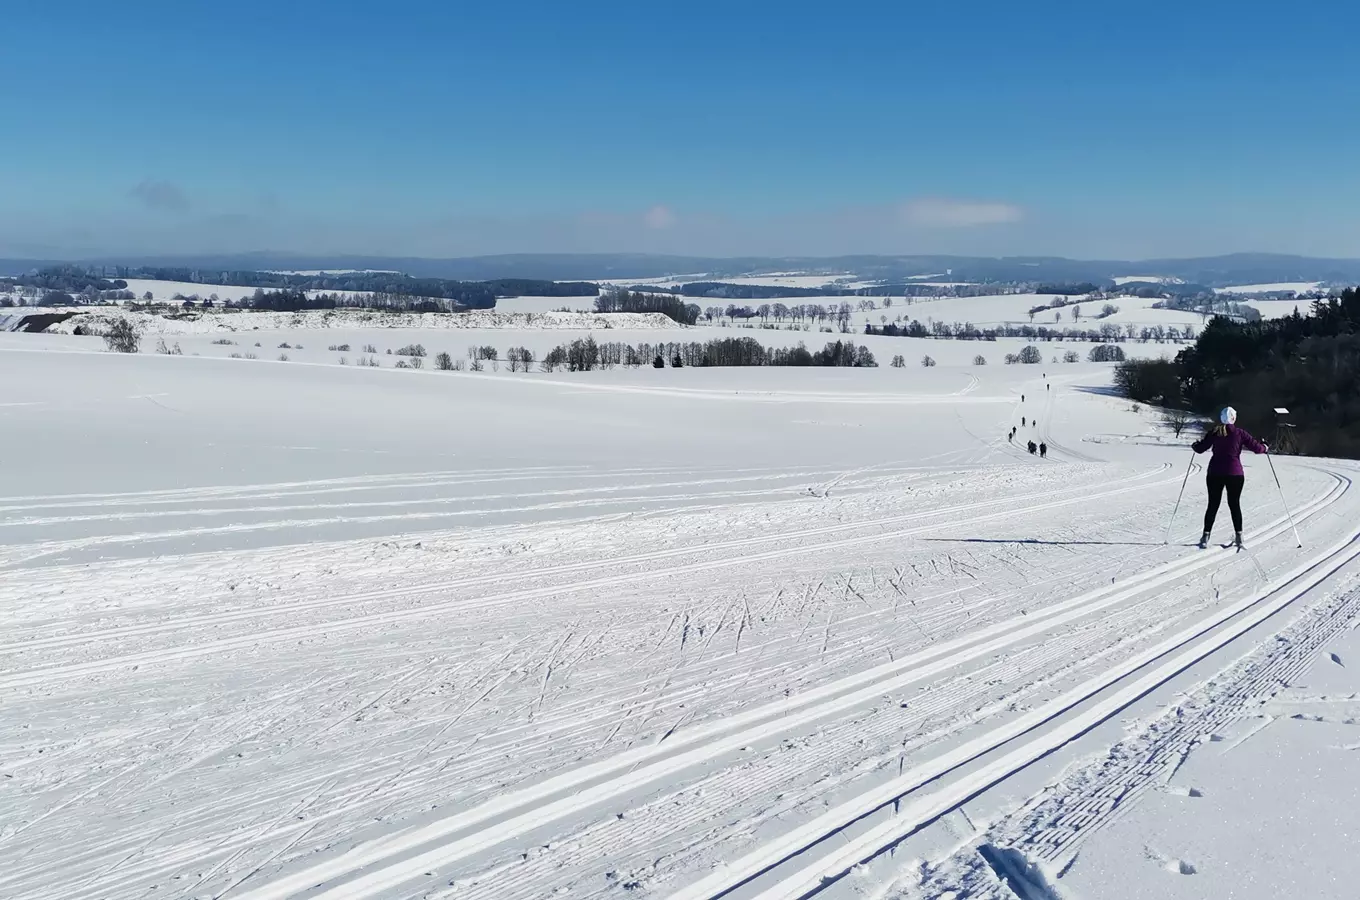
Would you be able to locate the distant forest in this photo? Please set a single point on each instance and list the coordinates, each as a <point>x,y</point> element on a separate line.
<point>616,301</point>
<point>1309,365</point>
<point>720,290</point>
<point>66,279</point>
<point>86,285</point>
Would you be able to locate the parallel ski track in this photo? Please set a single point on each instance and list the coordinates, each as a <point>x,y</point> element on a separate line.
<point>378,483</point>
<point>397,859</point>
<point>1118,788</point>
<point>801,865</point>
<point>39,676</point>
<point>729,802</point>
<point>614,493</point>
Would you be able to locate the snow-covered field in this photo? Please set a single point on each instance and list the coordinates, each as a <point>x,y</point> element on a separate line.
<point>1277,309</point>
<point>1150,279</point>
<point>220,322</point>
<point>1297,287</point>
<point>279,630</point>
<point>350,340</point>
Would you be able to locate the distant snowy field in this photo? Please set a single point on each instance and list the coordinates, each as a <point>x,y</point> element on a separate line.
<point>1296,286</point>
<point>312,345</point>
<point>1151,279</point>
<point>279,630</point>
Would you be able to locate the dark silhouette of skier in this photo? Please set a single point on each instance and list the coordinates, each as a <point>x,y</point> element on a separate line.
<point>1043,450</point>
<point>1023,421</point>
<point>1031,447</point>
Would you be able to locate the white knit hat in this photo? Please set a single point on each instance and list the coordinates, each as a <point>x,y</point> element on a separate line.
<point>1228,416</point>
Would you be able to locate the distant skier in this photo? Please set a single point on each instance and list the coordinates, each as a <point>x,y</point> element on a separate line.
<point>1031,447</point>
<point>1225,470</point>
<point>1023,421</point>
<point>1022,398</point>
<point>1043,450</point>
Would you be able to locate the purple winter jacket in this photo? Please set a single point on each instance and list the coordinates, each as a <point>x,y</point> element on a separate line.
<point>1227,447</point>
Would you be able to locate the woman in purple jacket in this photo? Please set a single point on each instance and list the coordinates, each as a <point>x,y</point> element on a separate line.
<point>1225,469</point>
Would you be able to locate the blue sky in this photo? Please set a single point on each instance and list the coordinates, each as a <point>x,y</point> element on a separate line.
<point>452,129</point>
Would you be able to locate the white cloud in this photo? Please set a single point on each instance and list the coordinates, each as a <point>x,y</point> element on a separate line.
<point>659,217</point>
<point>941,212</point>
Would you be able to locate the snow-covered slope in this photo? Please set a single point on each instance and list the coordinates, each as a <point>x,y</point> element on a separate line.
<point>279,630</point>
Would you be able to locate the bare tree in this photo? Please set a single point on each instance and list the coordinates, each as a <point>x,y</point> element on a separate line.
<point>1177,420</point>
<point>123,337</point>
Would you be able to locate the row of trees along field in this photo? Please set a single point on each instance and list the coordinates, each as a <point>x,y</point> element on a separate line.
<point>1108,332</point>
<point>586,354</point>
<point>1309,365</point>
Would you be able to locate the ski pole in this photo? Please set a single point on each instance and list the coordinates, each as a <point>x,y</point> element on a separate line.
<point>1184,482</point>
<point>1284,502</point>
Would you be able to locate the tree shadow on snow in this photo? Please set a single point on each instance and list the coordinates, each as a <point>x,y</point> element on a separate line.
<point>1102,390</point>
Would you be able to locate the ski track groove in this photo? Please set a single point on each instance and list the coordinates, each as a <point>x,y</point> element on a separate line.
<point>384,878</point>
<point>405,780</point>
<point>32,677</point>
<point>493,578</point>
<point>1177,654</point>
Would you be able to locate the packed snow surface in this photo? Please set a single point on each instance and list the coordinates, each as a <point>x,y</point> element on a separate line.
<point>290,630</point>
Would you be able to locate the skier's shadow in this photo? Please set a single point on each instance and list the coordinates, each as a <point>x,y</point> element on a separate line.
<point>1047,543</point>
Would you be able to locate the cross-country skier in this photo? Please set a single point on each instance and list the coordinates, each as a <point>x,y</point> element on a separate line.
<point>1043,450</point>
<point>1023,420</point>
<point>1225,469</point>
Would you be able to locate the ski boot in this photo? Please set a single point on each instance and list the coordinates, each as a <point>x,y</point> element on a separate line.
<point>1237,540</point>
<point>1204,541</point>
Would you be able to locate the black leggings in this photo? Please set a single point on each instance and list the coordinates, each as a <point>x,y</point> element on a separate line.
<point>1216,485</point>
